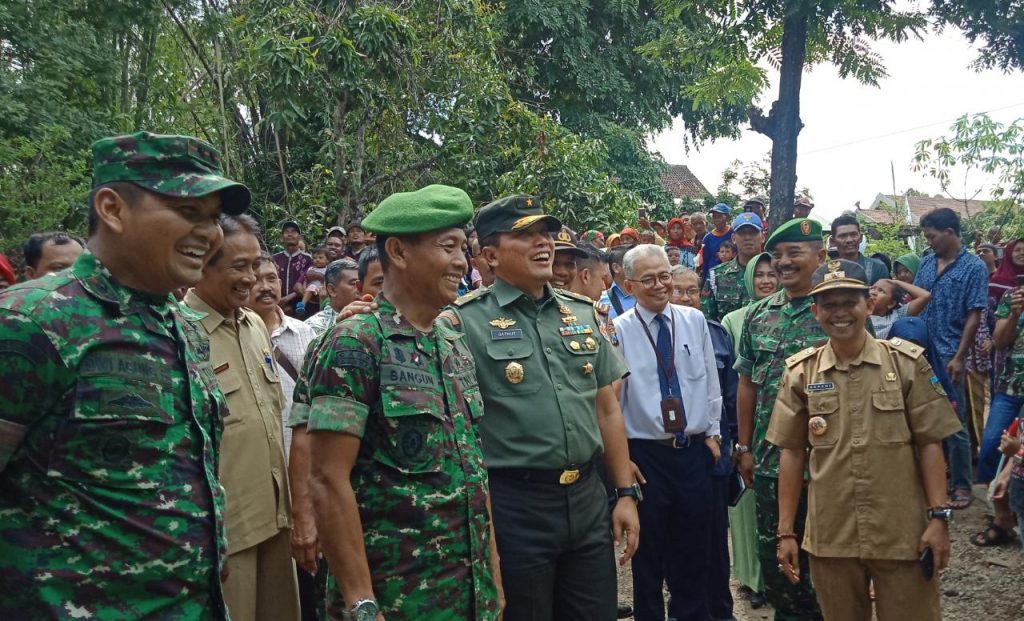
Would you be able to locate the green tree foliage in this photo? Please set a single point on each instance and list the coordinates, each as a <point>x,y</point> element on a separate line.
<point>999,24</point>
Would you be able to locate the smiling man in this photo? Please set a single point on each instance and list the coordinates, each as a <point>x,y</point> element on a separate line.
<point>110,416</point>
<point>546,376</point>
<point>868,417</point>
<point>567,255</point>
<point>261,582</point>
<point>398,479</point>
<point>847,236</point>
<point>776,328</point>
<point>46,253</point>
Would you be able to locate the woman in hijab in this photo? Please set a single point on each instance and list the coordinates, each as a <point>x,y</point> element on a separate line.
<point>593,237</point>
<point>1005,277</point>
<point>614,240</point>
<point>629,236</point>
<point>905,267</point>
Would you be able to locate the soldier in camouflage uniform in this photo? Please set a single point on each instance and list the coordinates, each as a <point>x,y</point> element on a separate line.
<point>110,415</point>
<point>724,290</point>
<point>776,328</point>
<point>399,486</point>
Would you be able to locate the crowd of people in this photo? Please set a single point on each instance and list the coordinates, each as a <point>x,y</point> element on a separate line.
<point>442,412</point>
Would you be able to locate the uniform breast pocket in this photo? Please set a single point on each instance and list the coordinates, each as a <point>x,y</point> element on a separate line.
<point>890,421</point>
<point>822,424</point>
<point>764,353</point>
<point>414,437</point>
<point>230,382</point>
<point>582,362</point>
<point>116,424</point>
<point>508,368</point>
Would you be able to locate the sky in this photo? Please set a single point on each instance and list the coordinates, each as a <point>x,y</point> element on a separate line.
<point>852,132</point>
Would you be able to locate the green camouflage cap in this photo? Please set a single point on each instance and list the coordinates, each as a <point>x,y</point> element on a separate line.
<point>797,230</point>
<point>180,166</point>
<point>427,209</point>
<point>513,213</point>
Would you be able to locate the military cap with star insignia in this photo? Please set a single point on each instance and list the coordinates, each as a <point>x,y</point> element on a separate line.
<point>513,213</point>
<point>427,209</point>
<point>796,230</point>
<point>839,274</point>
<point>178,166</point>
<point>566,241</point>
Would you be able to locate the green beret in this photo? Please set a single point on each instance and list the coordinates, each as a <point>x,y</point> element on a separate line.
<point>513,213</point>
<point>427,209</point>
<point>180,166</point>
<point>797,230</point>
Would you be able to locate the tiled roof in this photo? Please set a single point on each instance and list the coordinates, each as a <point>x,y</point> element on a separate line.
<point>920,205</point>
<point>681,183</point>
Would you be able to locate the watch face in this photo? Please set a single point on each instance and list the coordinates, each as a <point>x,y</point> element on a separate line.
<point>365,611</point>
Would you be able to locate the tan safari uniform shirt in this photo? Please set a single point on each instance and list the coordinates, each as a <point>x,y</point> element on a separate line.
<point>862,423</point>
<point>252,462</point>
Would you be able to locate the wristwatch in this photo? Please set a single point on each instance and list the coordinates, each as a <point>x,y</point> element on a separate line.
<point>941,513</point>
<point>717,439</point>
<point>633,491</point>
<point>742,448</point>
<point>363,610</point>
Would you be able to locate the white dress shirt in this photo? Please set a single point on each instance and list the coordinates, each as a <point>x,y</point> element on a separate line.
<point>696,370</point>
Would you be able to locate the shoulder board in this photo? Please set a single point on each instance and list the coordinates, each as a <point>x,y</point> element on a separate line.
<point>905,347</point>
<point>801,356</point>
<point>472,295</point>
<point>602,309</point>
<point>574,296</point>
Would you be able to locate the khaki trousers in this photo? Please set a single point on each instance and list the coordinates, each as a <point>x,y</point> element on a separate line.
<point>901,592</point>
<point>261,583</point>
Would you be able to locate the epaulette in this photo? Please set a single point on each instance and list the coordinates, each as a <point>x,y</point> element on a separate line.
<point>800,356</point>
<point>906,348</point>
<point>602,309</point>
<point>575,296</point>
<point>472,295</point>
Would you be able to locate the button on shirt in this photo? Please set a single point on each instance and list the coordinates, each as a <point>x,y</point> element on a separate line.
<point>959,289</point>
<point>252,461</point>
<point>866,499</point>
<point>695,367</point>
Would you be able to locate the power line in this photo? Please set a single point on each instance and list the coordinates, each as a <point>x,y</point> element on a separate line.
<point>901,131</point>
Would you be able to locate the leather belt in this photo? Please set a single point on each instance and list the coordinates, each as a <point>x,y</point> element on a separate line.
<point>673,442</point>
<point>570,475</point>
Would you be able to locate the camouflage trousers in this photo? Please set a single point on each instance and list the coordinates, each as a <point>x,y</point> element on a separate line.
<point>792,602</point>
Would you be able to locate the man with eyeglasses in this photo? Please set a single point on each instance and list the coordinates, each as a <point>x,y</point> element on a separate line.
<point>672,405</point>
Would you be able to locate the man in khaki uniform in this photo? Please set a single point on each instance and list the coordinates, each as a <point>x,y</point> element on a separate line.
<point>261,576</point>
<point>872,415</point>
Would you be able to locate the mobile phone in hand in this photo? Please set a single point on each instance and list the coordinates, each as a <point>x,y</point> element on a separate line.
<point>927,562</point>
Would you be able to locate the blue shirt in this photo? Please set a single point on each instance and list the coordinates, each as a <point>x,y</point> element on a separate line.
<point>961,288</point>
<point>712,242</point>
<point>624,298</point>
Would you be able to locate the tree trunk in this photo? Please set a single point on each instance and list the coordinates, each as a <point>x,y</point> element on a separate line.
<point>149,38</point>
<point>341,175</point>
<point>785,116</point>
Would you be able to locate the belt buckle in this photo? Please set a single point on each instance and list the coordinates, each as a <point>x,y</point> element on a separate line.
<point>568,477</point>
<point>677,445</point>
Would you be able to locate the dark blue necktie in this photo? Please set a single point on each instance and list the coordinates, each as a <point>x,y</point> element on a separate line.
<point>668,357</point>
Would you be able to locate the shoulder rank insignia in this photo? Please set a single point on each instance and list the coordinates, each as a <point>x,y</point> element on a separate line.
<point>575,296</point>
<point>501,323</point>
<point>906,347</point>
<point>472,295</point>
<point>801,356</point>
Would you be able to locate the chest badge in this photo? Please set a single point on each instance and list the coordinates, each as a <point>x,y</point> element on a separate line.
<point>890,377</point>
<point>514,373</point>
<point>565,310</point>
<point>569,319</point>
<point>574,345</point>
<point>818,426</point>
<point>588,369</point>
<point>590,344</point>
<point>502,324</point>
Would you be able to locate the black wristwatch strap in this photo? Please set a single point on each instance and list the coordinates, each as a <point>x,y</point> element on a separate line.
<point>631,492</point>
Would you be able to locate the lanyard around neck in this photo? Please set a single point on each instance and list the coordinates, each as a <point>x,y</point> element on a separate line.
<point>666,367</point>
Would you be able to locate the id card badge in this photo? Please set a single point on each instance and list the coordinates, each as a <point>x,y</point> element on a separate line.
<point>672,416</point>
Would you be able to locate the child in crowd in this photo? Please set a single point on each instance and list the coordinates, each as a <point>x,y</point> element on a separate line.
<point>313,282</point>
<point>726,252</point>
<point>889,296</point>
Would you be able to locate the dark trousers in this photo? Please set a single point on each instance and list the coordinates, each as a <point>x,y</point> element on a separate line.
<point>675,528</point>
<point>309,603</point>
<point>555,544</point>
<point>719,567</point>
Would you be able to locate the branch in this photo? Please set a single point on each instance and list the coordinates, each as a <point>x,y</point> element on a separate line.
<point>760,123</point>
<point>398,172</point>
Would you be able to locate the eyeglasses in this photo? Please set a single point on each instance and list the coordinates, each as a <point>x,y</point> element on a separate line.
<point>663,278</point>
<point>692,292</point>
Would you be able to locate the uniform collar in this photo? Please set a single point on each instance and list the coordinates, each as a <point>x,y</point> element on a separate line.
<point>392,322</point>
<point>872,354</point>
<point>211,319</point>
<point>780,298</point>
<point>99,282</point>
<point>506,294</point>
